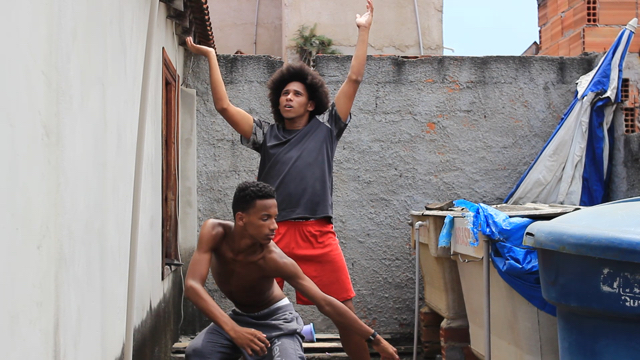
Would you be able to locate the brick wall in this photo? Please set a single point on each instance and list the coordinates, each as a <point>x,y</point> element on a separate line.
<point>571,27</point>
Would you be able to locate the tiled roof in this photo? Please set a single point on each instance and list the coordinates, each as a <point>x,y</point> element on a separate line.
<point>193,17</point>
<point>203,33</point>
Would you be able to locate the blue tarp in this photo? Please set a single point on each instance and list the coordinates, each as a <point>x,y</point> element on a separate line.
<point>517,264</point>
<point>573,166</point>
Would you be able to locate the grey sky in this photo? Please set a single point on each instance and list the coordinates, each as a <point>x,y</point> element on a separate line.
<point>489,27</point>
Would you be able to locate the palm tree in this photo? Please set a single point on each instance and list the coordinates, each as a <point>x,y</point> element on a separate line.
<point>308,44</point>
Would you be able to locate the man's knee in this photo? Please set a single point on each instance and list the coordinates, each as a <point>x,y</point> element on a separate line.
<point>287,347</point>
<point>194,352</point>
<point>211,345</point>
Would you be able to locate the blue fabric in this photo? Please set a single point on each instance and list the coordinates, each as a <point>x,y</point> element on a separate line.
<point>594,176</point>
<point>444,240</point>
<point>546,145</point>
<point>518,267</point>
<point>517,264</point>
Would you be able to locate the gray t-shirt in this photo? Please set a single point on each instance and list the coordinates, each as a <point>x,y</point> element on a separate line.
<point>299,163</point>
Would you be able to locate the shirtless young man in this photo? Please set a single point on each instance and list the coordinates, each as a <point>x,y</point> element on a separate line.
<point>244,263</point>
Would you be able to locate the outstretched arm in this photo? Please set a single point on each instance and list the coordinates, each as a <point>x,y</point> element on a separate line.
<point>347,93</point>
<point>339,314</point>
<point>250,340</point>
<point>239,119</point>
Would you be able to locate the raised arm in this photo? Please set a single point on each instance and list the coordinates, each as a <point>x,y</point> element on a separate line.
<point>239,119</point>
<point>347,93</point>
<point>339,314</point>
<point>250,340</point>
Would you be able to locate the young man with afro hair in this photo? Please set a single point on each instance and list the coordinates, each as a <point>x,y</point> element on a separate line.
<point>296,158</point>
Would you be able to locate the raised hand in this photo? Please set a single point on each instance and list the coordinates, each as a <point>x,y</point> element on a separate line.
<point>364,21</point>
<point>252,341</point>
<point>386,351</point>
<point>198,49</point>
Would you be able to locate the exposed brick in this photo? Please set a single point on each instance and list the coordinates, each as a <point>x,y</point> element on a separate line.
<point>430,350</point>
<point>556,29</point>
<point>630,120</point>
<point>468,353</point>
<point>592,11</point>
<point>633,95</point>
<point>600,38</point>
<point>552,9</point>
<point>616,13</point>
<point>571,45</point>
<point>453,352</point>
<point>575,44</point>
<point>563,5</point>
<point>567,23</point>
<point>454,335</point>
<point>542,14</point>
<point>579,14</point>
<point>564,46</point>
<point>545,37</point>
<point>430,334</point>
<point>572,3</point>
<point>554,50</point>
<point>429,317</point>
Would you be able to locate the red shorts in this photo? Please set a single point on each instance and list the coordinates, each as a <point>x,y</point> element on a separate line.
<point>314,246</point>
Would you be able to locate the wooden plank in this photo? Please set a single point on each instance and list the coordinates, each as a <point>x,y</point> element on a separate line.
<point>402,349</point>
<point>440,206</point>
<point>436,213</point>
<point>332,356</point>
<point>180,345</point>
<point>322,345</point>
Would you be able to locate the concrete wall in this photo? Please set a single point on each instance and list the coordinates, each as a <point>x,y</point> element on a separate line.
<point>72,90</point>
<point>625,170</point>
<point>425,130</point>
<point>234,25</point>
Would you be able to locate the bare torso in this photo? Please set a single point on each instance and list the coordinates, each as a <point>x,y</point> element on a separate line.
<point>245,278</point>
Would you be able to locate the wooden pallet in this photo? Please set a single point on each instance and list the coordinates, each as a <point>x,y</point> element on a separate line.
<point>327,346</point>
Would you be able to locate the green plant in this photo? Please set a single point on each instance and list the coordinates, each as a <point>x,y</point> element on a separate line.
<point>308,44</point>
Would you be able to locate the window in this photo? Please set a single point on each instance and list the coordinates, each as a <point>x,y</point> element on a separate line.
<point>170,81</point>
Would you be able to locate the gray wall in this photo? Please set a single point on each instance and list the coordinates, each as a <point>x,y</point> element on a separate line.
<point>425,130</point>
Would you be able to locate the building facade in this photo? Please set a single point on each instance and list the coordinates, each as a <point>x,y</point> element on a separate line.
<point>97,137</point>
<point>268,26</point>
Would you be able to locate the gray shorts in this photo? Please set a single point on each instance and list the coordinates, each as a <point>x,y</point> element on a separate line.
<point>280,322</point>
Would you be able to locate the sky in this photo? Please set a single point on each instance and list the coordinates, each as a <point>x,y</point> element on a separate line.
<point>489,27</point>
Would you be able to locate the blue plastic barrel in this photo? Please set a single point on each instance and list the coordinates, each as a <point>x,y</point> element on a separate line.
<point>589,264</point>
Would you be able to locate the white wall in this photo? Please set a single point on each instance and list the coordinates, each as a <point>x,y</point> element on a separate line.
<point>149,289</point>
<point>69,111</point>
